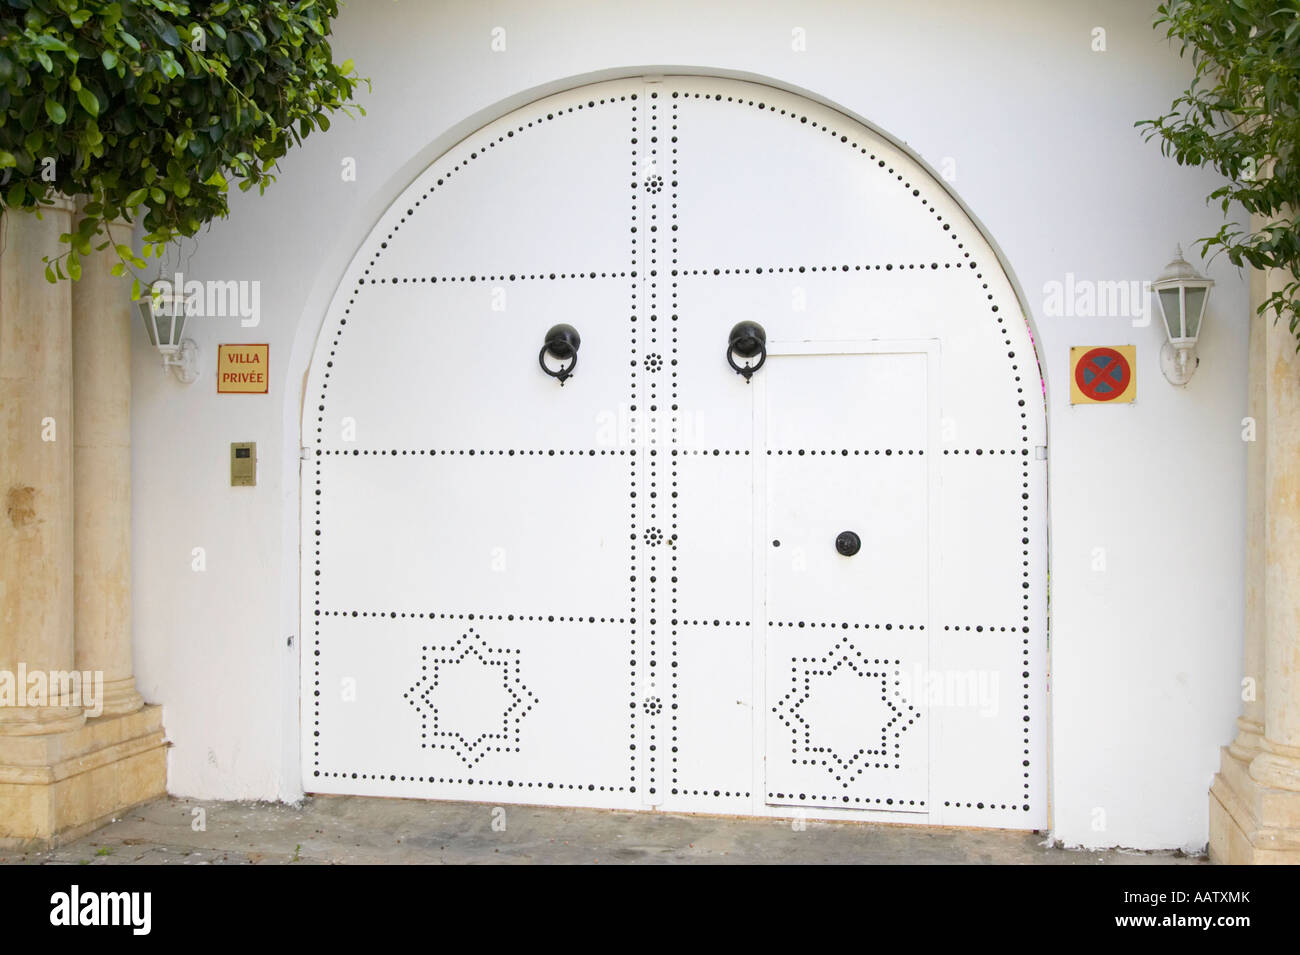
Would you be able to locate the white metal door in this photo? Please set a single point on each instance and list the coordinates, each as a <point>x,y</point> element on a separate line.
<point>473,581</point>
<point>519,591</point>
<point>847,435</point>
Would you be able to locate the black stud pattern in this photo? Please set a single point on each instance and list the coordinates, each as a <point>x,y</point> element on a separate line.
<point>654,535</point>
<point>432,615</point>
<point>659,525</point>
<point>636,507</point>
<point>866,802</point>
<point>877,676</point>
<point>482,452</point>
<point>848,452</point>
<point>504,277</point>
<point>989,451</point>
<point>813,269</point>
<point>473,781</point>
<point>844,625</point>
<point>715,452</point>
<point>966,265</point>
<point>370,278</point>
<point>440,732</point>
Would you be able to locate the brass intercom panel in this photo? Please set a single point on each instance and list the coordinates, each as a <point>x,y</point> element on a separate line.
<point>243,464</point>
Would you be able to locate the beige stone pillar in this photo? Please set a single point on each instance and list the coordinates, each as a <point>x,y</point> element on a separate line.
<point>36,428</point>
<point>101,367</point>
<point>1250,725</point>
<point>62,774</point>
<point>1255,798</point>
<point>1278,764</point>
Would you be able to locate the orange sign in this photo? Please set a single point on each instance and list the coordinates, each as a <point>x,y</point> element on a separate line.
<point>243,369</point>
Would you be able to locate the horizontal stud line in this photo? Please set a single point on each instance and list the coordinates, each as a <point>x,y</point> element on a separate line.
<point>477,452</point>
<point>510,277</point>
<point>470,781</point>
<point>436,615</point>
<point>980,452</point>
<point>844,452</point>
<point>839,268</point>
<point>891,800</point>
<point>841,625</point>
<point>715,452</point>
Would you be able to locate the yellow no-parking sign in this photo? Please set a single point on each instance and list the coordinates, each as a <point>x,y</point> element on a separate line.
<point>1103,374</point>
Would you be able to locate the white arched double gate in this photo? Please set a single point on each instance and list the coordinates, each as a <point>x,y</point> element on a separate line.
<point>626,591</point>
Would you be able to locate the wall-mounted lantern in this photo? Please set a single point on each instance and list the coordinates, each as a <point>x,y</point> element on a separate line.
<point>1182,294</point>
<point>561,343</point>
<point>747,339</point>
<point>163,311</point>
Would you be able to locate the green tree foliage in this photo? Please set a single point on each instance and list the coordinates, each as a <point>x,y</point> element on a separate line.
<point>1241,117</point>
<point>150,109</point>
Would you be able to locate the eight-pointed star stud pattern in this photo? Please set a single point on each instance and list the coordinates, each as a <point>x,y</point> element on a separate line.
<point>471,698</point>
<point>845,682</point>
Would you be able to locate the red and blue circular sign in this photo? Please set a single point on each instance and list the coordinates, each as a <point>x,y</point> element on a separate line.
<point>1102,374</point>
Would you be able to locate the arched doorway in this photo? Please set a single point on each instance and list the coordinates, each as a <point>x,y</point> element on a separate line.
<point>634,589</point>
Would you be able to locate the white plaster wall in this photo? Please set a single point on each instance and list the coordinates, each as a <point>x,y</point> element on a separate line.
<point>1146,655</point>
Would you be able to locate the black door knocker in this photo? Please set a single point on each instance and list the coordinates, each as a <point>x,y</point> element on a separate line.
<point>562,343</point>
<point>848,543</point>
<point>747,339</point>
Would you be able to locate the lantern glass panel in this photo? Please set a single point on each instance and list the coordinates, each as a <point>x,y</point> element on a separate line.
<point>1171,306</point>
<point>1195,306</point>
<point>150,329</point>
<point>178,323</point>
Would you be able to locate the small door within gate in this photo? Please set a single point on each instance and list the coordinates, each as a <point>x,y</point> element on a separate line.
<point>844,483</point>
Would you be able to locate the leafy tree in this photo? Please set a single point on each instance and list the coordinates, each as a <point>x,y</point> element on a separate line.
<point>151,108</point>
<point>1241,117</point>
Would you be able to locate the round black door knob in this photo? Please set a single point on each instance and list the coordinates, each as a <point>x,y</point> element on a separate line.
<point>561,343</point>
<point>848,543</point>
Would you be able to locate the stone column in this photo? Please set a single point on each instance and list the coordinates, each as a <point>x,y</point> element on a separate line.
<point>101,370</point>
<point>36,431</point>
<point>1250,725</point>
<point>1278,764</point>
<point>60,773</point>
<point>1255,798</point>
